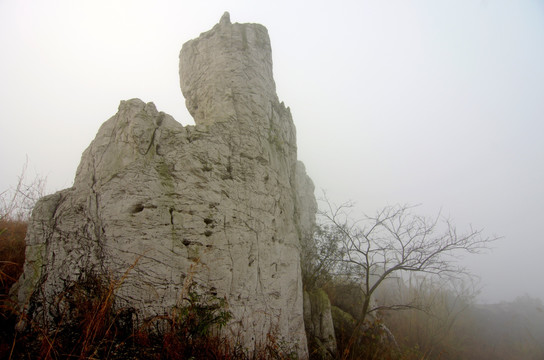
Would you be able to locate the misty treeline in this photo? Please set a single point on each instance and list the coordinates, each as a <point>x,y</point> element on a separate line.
<point>398,291</point>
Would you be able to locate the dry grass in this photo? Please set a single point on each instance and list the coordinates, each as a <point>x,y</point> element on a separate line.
<point>12,252</point>
<point>12,257</point>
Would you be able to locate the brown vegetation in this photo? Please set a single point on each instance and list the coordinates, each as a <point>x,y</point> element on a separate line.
<point>16,205</point>
<point>12,252</point>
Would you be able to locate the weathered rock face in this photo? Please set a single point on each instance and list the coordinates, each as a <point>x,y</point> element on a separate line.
<point>224,202</point>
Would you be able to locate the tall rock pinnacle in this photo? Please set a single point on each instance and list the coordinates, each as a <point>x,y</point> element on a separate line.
<point>222,204</point>
<point>227,72</point>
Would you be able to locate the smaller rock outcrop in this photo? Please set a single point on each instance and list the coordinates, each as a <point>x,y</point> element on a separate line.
<point>344,325</point>
<point>319,323</point>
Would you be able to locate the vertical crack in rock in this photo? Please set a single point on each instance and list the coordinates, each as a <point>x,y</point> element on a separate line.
<point>146,184</point>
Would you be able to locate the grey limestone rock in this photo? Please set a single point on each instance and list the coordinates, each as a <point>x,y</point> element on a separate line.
<point>223,202</point>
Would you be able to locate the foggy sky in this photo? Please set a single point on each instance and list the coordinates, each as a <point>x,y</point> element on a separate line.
<point>438,103</point>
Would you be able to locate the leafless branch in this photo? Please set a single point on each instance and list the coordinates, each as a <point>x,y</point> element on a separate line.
<point>17,202</point>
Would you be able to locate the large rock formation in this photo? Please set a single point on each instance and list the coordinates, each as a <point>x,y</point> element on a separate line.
<point>223,203</point>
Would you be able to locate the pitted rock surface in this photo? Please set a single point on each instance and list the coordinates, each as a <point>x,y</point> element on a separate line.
<point>223,203</point>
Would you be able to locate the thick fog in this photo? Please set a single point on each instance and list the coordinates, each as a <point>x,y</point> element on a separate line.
<point>419,102</point>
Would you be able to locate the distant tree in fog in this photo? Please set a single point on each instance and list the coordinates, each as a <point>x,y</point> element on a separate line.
<point>372,249</point>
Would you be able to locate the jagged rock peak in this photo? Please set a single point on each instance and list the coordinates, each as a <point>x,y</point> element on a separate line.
<point>225,19</point>
<point>226,68</point>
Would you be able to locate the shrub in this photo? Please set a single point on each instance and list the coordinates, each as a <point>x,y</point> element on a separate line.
<point>193,327</point>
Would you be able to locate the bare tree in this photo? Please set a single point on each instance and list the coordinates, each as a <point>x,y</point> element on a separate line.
<point>394,242</point>
<point>17,202</point>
